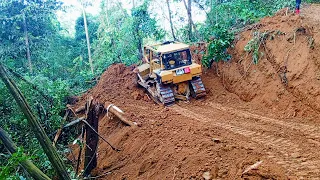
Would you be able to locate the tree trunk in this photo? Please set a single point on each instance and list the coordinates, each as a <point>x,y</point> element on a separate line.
<point>33,86</point>
<point>195,30</point>
<point>90,161</point>
<point>139,41</point>
<point>170,19</point>
<point>107,15</point>
<point>191,21</point>
<point>140,48</point>
<point>217,11</point>
<point>26,164</point>
<point>188,8</point>
<point>80,151</point>
<point>39,132</point>
<point>204,10</point>
<point>88,39</point>
<point>25,29</point>
<point>189,17</point>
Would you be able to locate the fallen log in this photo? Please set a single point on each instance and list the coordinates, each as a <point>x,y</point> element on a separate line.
<point>52,154</point>
<point>119,114</point>
<point>92,138</point>
<point>72,123</point>
<point>80,109</point>
<point>33,86</point>
<point>112,109</point>
<point>35,172</point>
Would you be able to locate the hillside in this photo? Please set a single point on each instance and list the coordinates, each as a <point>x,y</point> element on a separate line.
<point>252,112</point>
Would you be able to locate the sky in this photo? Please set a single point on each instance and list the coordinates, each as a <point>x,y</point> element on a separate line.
<point>73,11</point>
<point>158,10</point>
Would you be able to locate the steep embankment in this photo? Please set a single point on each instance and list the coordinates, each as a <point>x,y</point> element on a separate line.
<point>287,76</point>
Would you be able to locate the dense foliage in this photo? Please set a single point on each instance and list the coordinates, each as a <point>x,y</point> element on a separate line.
<point>227,17</point>
<point>121,35</point>
<point>33,45</point>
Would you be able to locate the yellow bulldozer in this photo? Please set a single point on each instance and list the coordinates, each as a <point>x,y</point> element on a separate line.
<point>169,73</point>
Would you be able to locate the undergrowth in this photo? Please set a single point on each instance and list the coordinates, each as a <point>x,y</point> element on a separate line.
<point>258,40</point>
<point>220,40</point>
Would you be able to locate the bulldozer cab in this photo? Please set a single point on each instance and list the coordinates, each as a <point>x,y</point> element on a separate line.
<point>153,58</point>
<point>176,59</point>
<point>167,56</point>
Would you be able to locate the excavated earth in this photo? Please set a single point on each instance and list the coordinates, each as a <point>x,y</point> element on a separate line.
<point>253,113</point>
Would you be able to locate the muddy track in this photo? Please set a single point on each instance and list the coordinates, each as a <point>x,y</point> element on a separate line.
<point>313,132</point>
<point>301,161</point>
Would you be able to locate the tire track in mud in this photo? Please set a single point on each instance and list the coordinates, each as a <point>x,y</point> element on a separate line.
<point>311,131</point>
<point>284,152</point>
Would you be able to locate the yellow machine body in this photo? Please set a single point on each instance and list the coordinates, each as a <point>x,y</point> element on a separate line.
<point>169,66</point>
<point>170,76</point>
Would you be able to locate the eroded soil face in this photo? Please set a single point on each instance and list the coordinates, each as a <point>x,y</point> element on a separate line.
<point>286,77</point>
<point>249,115</point>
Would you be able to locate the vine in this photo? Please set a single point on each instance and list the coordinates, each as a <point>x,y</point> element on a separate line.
<point>259,39</point>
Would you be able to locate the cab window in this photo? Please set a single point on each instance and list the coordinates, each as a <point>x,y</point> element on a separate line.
<point>177,59</point>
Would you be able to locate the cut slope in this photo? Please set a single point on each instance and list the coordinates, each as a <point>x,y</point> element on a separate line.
<point>287,76</point>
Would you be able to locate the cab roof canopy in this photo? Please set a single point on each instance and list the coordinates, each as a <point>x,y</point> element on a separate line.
<point>168,47</point>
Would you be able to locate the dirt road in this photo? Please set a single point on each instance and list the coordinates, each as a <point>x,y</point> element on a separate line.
<point>248,116</point>
<point>219,134</point>
<point>292,145</point>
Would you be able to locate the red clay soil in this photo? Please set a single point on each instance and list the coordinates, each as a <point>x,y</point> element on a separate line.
<point>241,121</point>
<point>292,47</point>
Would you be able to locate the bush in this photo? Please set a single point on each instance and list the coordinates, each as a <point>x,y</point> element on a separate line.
<point>219,41</point>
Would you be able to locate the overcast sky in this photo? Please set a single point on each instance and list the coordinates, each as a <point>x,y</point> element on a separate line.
<point>69,17</point>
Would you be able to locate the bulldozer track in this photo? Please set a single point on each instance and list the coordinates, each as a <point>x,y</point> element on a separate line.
<point>197,87</point>
<point>166,94</point>
<point>293,158</point>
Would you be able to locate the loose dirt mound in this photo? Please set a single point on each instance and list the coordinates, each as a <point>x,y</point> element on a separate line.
<point>168,145</point>
<point>287,76</point>
<point>116,84</point>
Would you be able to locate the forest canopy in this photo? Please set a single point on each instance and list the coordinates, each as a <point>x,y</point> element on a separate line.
<point>49,66</point>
